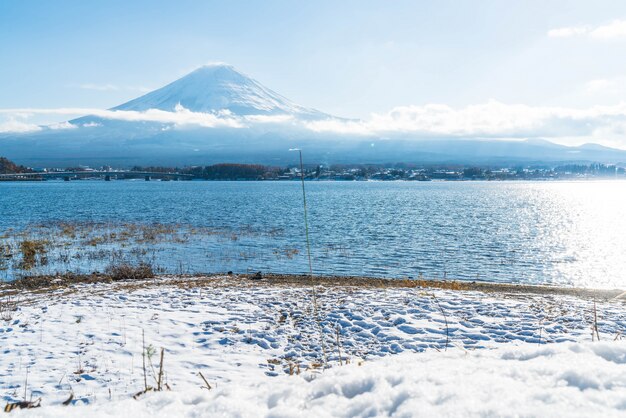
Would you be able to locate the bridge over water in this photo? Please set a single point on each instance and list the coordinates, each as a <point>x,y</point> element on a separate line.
<point>106,175</point>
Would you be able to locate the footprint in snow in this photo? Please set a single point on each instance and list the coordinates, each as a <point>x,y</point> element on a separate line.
<point>410,330</point>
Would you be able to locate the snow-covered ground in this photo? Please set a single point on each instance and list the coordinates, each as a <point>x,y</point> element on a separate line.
<point>263,349</point>
<point>566,380</point>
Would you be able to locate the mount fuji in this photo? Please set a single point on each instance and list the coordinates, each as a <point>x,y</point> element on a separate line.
<point>219,87</point>
<point>218,114</point>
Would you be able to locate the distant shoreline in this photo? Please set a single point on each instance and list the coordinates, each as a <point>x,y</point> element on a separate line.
<point>537,180</point>
<point>9,171</point>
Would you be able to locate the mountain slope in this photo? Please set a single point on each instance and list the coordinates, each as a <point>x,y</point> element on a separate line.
<point>219,87</point>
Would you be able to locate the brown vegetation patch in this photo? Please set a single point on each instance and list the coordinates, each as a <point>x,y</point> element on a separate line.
<point>32,253</point>
<point>119,272</point>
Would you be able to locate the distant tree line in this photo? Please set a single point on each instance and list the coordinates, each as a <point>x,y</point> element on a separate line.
<point>233,171</point>
<point>600,169</point>
<point>225,171</point>
<point>9,167</point>
<point>229,171</point>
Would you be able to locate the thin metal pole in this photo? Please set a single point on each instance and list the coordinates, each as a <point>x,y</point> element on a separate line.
<point>306,219</point>
<point>308,249</point>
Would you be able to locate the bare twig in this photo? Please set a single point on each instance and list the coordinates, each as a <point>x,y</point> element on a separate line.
<point>143,358</point>
<point>595,321</point>
<point>26,383</point>
<point>445,317</point>
<point>69,400</point>
<point>208,386</point>
<point>143,392</point>
<point>338,345</point>
<point>160,370</point>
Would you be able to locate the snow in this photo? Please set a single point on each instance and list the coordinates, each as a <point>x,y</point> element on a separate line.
<point>260,348</point>
<point>574,380</point>
<point>218,88</point>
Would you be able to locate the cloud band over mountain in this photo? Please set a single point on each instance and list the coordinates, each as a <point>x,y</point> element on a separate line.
<point>493,119</point>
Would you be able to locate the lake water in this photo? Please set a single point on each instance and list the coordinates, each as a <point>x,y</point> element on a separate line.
<point>563,233</point>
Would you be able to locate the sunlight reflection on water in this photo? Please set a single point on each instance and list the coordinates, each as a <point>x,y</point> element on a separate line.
<point>587,221</point>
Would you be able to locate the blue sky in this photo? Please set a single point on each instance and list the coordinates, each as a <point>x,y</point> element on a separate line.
<point>349,58</point>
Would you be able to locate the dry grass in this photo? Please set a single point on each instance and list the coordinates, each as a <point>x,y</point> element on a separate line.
<point>131,277</point>
<point>52,282</point>
<point>118,272</point>
<point>90,246</point>
<point>8,307</point>
<point>42,283</point>
<point>288,253</point>
<point>33,252</point>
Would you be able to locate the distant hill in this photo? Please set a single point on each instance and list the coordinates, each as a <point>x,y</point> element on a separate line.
<point>235,119</point>
<point>9,167</point>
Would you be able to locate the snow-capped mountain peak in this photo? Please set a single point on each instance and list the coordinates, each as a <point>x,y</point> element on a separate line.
<point>216,88</point>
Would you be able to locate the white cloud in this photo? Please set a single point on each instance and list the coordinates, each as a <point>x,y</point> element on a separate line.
<point>613,30</point>
<point>13,125</point>
<point>269,118</point>
<point>340,126</point>
<point>615,86</point>
<point>490,120</point>
<point>62,125</point>
<point>493,119</point>
<point>568,32</point>
<point>180,117</point>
